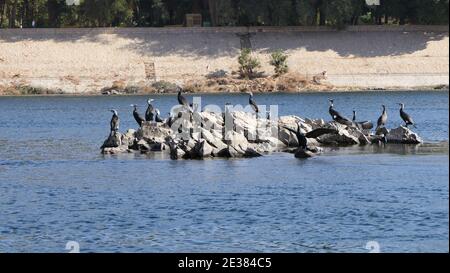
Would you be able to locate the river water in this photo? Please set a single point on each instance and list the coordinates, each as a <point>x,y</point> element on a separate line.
<point>56,187</point>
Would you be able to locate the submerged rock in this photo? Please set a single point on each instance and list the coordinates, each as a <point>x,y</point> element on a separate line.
<point>114,151</point>
<point>304,153</point>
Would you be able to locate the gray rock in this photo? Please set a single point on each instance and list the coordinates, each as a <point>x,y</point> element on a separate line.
<point>176,152</point>
<point>287,137</point>
<point>159,147</point>
<point>114,151</point>
<point>128,139</point>
<point>211,120</point>
<point>143,146</point>
<point>382,131</point>
<point>403,135</point>
<point>252,137</point>
<point>113,141</point>
<point>236,140</point>
<point>341,138</point>
<point>315,123</point>
<point>212,140</point>
<point>153,133</point>
<point>201,150</point>
<point>250,152</point>
<point>344,135</point>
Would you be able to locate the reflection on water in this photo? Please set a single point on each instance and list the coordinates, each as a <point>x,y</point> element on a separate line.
<point>56,187</point>
<point>398,149</point>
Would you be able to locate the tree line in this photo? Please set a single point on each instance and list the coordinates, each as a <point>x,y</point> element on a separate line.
<point>157,13</point>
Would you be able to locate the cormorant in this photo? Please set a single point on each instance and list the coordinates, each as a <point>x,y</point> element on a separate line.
<point>170,120</point>
<point>157,117</point>
<point>139,119</point>
<point>321,131</point>
<point>115,121</point>
<point>362,125</point>
<point>149,116</point>
<point>303,138</point>
<point>337,116</point>
<point>252,103</point>
<point>382,120</point>
<point>302,141</point>
<point>303,151</point>
<point>183,101</point>
<point>406,118</point>
<point>343,120</point>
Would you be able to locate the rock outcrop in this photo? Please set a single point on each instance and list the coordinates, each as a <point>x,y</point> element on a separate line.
<point>240,134</point>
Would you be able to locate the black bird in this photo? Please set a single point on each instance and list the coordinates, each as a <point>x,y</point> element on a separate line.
<point>406,118</point>
<point>343,121</point>
<point>149,116</point>
<point>183,101</point>
<point>302,141</point>
<point>321,131</point>
<point>170,120</point>
<point>252,103</point>
<point>115,121</point>
<point>337,116</point>
<point>303,138</point>
<point>303,150</point>
<point>139,119</point>
<point>157,117</point>
<point>382,120</point>
<point>362,125</point>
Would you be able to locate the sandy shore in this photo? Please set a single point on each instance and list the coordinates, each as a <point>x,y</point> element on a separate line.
<point>81,61</point>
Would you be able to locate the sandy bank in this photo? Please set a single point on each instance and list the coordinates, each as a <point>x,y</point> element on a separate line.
<point>87,60</point>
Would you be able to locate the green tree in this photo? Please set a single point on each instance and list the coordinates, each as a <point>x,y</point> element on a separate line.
<point>152,13</point>
<point>279,62</point>
<point>248,64</point>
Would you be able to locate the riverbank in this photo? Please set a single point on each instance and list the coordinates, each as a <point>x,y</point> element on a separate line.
<point>148,60</point>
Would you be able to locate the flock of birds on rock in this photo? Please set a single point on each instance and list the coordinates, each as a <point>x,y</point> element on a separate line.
<point>367,125</point>
<point>154,115</point>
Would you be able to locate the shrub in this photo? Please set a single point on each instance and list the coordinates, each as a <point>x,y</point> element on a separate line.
<point>279,62</point>
<point>217,74</point>
<point>248,64</point>
<point>165,87</point>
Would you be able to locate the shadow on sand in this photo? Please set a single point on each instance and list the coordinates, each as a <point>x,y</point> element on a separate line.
<point>210,44</point>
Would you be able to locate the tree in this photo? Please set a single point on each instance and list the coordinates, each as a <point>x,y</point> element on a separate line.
<point>279,62</point>
<point>338,12</point>
<point>247,63</point>
<point>153,13</point>
<point>2,11</point>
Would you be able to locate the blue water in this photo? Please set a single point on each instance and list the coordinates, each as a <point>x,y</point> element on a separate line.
<point>56,187</point>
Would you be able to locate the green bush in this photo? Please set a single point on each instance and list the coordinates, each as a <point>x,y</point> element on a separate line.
<point>279,62</point>
<point>248,64</point>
